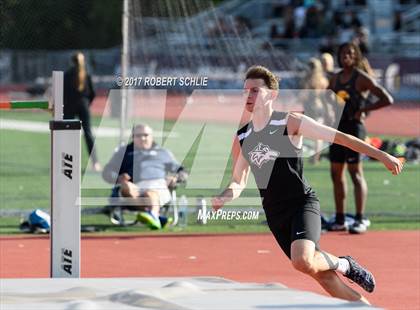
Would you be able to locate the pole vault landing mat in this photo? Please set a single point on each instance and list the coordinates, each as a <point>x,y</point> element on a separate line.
<point>158,293</point>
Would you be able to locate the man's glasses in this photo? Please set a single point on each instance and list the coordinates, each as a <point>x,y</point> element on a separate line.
<point>141,135</point>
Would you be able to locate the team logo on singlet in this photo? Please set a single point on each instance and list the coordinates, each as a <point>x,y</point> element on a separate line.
<point>262,154</point>
<point>342,96</point>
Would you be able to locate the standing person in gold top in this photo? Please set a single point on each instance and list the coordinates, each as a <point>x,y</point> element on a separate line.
<point>351,85</point>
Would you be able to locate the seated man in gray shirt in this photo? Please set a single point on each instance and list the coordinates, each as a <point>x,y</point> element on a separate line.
<point>142,170</point>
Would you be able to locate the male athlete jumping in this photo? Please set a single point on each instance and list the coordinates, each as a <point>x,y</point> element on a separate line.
<point>271,147</point>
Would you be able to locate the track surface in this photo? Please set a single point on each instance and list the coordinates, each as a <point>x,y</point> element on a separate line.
<point>393,257</point>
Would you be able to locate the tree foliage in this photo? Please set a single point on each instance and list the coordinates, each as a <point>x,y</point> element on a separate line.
<point>52,24</point>
<point>79,24</point>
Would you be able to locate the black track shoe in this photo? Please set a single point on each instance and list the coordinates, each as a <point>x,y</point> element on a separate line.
<point>360,275</point>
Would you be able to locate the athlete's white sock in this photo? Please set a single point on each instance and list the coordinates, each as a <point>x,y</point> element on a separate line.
<point>343,266</point>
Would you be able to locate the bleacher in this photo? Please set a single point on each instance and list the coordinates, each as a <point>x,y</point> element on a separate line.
<point>222,41</point>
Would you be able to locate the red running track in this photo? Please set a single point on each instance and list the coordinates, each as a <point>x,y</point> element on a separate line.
<point>400,119</point>
<point>393,257</point>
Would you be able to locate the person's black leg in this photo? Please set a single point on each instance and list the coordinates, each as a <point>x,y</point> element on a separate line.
<point>355,168</point>
<point>360,187</point>
<point>84,116</point>
<point>337,170</point>
<point>360,195</point>
<point>69,112</point>
<point>340,192</point>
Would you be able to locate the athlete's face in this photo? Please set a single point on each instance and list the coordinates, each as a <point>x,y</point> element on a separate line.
<point>143,137</point>
<point>348,56</point>
<point>258,94</point>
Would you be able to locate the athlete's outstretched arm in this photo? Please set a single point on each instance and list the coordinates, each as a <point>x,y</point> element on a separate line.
<point>299,124</point>
<point>239,179</point>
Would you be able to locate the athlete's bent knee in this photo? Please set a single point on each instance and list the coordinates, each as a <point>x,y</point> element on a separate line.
<point>303,264</point>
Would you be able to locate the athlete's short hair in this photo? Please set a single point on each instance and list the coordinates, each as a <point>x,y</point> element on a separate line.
<point>260,72</point>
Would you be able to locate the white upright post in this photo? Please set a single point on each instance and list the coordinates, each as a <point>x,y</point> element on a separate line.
<point>65,188</point>
<point>58,95</point>
<point>124,69</point>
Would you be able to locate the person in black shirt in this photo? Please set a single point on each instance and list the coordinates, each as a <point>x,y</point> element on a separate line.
<point>351,85</point>
<point>271,147</point>
<point>78,96</point>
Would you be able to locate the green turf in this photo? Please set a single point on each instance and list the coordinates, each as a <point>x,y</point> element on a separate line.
<point>10,225</point>
<point>393,203</point>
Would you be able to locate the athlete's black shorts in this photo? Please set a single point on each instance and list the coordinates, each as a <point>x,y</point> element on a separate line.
<point>298,219</point>
<point>341,154</point>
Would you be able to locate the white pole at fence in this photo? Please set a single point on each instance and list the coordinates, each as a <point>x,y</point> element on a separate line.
<point>65,188</point>
<point>124,69</point>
